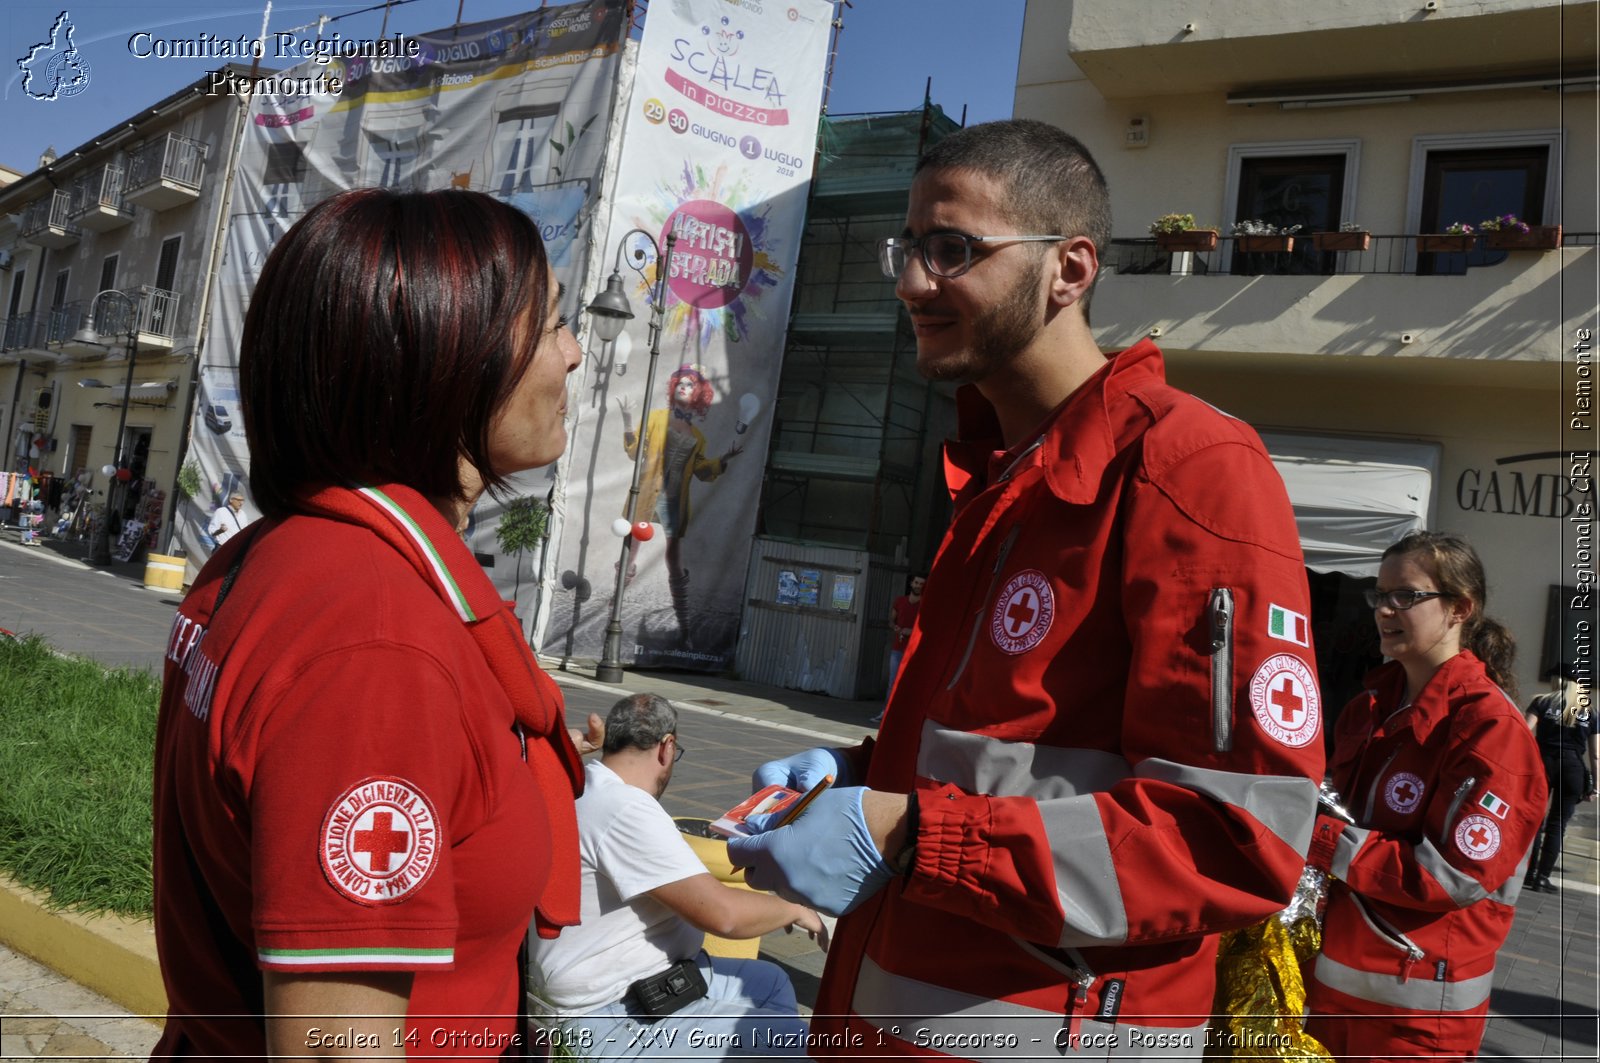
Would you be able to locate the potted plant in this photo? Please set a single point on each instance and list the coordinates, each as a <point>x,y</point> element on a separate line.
<point>1459,238</point>
<point>1510,233</point>
<point>1350,237</point>
<point>1177,232</point>
<point>1256,237</point>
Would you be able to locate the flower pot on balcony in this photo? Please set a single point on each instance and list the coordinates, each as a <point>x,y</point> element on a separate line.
<point>1351,241</point>
<point>1264,244</point>
<point>1446,243</point>
<point>1188,240</point>
<point>1537,238</point>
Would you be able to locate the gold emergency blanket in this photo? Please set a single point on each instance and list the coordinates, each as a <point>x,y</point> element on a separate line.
<point>1260,993</point>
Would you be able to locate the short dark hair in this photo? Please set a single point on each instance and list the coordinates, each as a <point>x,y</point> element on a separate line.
<point>1053,184</point>
<point>383,334</point>
<point>639,721</point>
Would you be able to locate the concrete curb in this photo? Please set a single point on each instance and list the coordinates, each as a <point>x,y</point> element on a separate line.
<point>113,956</point>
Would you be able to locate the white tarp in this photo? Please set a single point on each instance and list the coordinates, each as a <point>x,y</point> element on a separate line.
<point>517,107</point>
<point>1354,497</point>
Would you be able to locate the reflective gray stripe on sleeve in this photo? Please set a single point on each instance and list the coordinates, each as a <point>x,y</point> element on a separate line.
<point>1351,839</point>
<point>1415,994</point>
<point>1086,880</point>
<point>1462,887</point>
<point>993,766</point>
<point>983,1029</point>
<point>1511,889</point>
<point>1285,805</point>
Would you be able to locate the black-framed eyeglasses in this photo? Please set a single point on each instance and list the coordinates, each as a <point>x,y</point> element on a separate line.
<point>1400,600</point>
<point>677,749</point>
<point>944,255</point>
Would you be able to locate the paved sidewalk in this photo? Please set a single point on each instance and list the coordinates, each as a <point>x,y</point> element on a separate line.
<point>1546,991</point>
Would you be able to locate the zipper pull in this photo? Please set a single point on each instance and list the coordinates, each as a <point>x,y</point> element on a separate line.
<point>1080,996</point>
<point>1221,610</point>
<point>1082,980</point>
<point>1412,956</point>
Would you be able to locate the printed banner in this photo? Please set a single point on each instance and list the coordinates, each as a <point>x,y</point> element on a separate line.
<point>515,107</point>
<point>717,152</point>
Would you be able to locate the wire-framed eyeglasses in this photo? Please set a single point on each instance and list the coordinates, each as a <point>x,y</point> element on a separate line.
<point>1400,600</point>
<point>944,255</point>
<point>677,749</point>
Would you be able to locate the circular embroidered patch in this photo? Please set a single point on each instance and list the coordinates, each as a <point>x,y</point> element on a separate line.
<point>1478,837</point>
<point>1403,791</point>
<point>1284,698</point>
<point>1022,612</point>
<point>380,841</point>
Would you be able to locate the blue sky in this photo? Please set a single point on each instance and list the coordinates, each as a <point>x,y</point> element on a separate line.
<point>886,53</point>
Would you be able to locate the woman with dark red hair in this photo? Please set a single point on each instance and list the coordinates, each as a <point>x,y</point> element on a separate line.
<point>674,451</point>
<point>364,786</point>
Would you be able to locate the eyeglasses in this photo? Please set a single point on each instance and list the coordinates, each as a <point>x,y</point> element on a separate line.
<point>1401,600</point>
<point>944,255</point>
<point>678,751</point>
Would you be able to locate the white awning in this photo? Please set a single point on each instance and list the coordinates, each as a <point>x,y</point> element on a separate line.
<point>1354,497</point>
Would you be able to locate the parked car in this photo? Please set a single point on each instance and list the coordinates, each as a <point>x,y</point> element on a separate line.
<point>217,418</point>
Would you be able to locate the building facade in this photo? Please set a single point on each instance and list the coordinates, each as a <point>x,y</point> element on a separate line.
<point>1397,387</point>
<point>90,381</point>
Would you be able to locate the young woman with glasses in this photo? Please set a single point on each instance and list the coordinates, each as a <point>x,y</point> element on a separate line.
<point>1445,784</point>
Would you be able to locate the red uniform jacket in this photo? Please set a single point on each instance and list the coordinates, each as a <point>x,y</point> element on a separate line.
<point>1448,795</point>
<point>1110,714</point>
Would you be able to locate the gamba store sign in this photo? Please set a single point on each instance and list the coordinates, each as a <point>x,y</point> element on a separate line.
<point>1557,484</point>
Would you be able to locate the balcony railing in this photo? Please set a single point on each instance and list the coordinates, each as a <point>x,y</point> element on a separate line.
<point>158,313</point>
<point>16,332</point>
<point>155,323</point>
<point>97,199</point>
<point>1385,255</point>
<point>166,171</point>
<point>47,221</point>
<point>61,324</point>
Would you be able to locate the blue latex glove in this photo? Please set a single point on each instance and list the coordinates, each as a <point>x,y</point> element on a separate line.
<point>802,771</point>
<point>826,859</point>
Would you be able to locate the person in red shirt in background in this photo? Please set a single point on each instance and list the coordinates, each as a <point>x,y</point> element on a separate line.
<point>1437,765</point>
<point>903,617</point>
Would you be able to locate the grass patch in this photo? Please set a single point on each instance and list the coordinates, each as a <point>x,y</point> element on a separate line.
<point>77,743</point>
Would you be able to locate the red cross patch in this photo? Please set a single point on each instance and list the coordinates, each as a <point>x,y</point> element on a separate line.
<point>380,841</point>
<point>1284,698</point>
<point>1403,792</point>
<point>1478,837</point>
<point>1022,612</point>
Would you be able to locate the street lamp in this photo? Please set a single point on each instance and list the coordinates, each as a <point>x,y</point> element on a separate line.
<point>100,546</point>
<point>610,311</point>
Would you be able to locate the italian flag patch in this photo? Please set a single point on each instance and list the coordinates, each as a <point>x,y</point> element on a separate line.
<point>1493,805</point>
<point>1288,625</point>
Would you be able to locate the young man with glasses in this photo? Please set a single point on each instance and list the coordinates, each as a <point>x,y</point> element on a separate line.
<point>1104,745</point>
<point>633,976</point>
